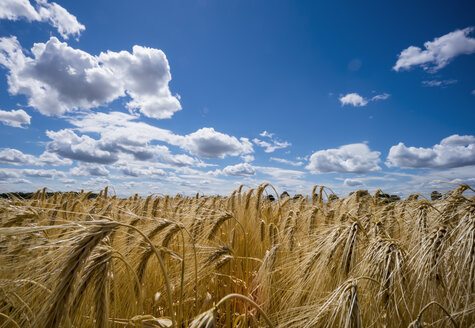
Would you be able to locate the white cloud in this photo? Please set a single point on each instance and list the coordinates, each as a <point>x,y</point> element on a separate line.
<point>15,118</point>
<point>122,128</point>
<point>145,73</point>
<point>11,179</point>
<point>352,158</point>
<point>383,96</point>
<point>356,100</point>
<point>53,159</point>
<point>96,183</point>
<point>122,135</point>
<point>89,170</point>
<point>83,148</point>
<point>247,158</point>
<point>286,161</point>
<point>239,170</point>
<point>266,134</point>
<point>136,171</point>
<point>179,160</point>
<point>208,143</point>
<point>282,179</point>
<point>21,181</point>
<point>66,23</point>
<point>453,151</point>
<point>353,183</point>
<point>16,157</point>
<point>280,174</point>
<point>353,99</point>
<point>273,144</point>
<point>16,9</point>
<point>437,53</point>
<point>59,78</point>
<point>434,179</point>
<point>7,174</point>
<point>48,174</point>
<point>438,83</point>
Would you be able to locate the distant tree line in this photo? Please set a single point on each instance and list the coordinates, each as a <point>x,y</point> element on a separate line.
<point>29,195</point>
<point>435,195</point>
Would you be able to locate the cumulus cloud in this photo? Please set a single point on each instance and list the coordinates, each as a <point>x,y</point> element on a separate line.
<point>286,161</point>
<point>121,133</point>
<point>178,160</point>
<point>354,99</point>
<point>116,127</point>
<point>272,144</point>
<point>240,170</point>
<point>59,78</point>
<point>16,157</point>
<point>145,73</point>
<point>438,83</point>
<point>280,174</point>
<point>208,143</point>
<point>52,159</point>
<point>66,23</point>
<point>96,183</point>
<point>136,171</point>
<point>283,179</point>
<point>89,170</point>
<point>6,174</point>
<point>353,183</point>
<point>453,151</point>
<point>68,181</point>
<point>247,158</point>
<point>83,148</point>
<point>17,9</point>
<point>48,174</point>
<point>437,53</point>
<point>352,158</point>
<point>15,118</point>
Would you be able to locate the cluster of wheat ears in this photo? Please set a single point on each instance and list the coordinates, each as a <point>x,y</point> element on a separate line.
<point>69,260</point>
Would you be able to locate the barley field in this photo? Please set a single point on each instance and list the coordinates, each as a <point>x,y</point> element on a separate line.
<point>246,260</point>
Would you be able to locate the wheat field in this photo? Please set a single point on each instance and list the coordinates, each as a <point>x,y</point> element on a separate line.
<point>72,260</point>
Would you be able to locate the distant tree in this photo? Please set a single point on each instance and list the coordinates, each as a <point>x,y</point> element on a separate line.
<point>297,196</point>
<point>22,195</point>
<point>413,197</point>
<point>29,195</point>
<point>270,198</point>
<point>435,195</point>
<point>284,194</point>
<point>363,193</point>
<point>394,198</point>
<point>332,197</point>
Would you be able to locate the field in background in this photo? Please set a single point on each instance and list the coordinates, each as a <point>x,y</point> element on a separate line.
<point>69,260</point>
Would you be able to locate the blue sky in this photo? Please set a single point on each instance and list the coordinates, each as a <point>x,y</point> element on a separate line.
<point>181,96</point>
